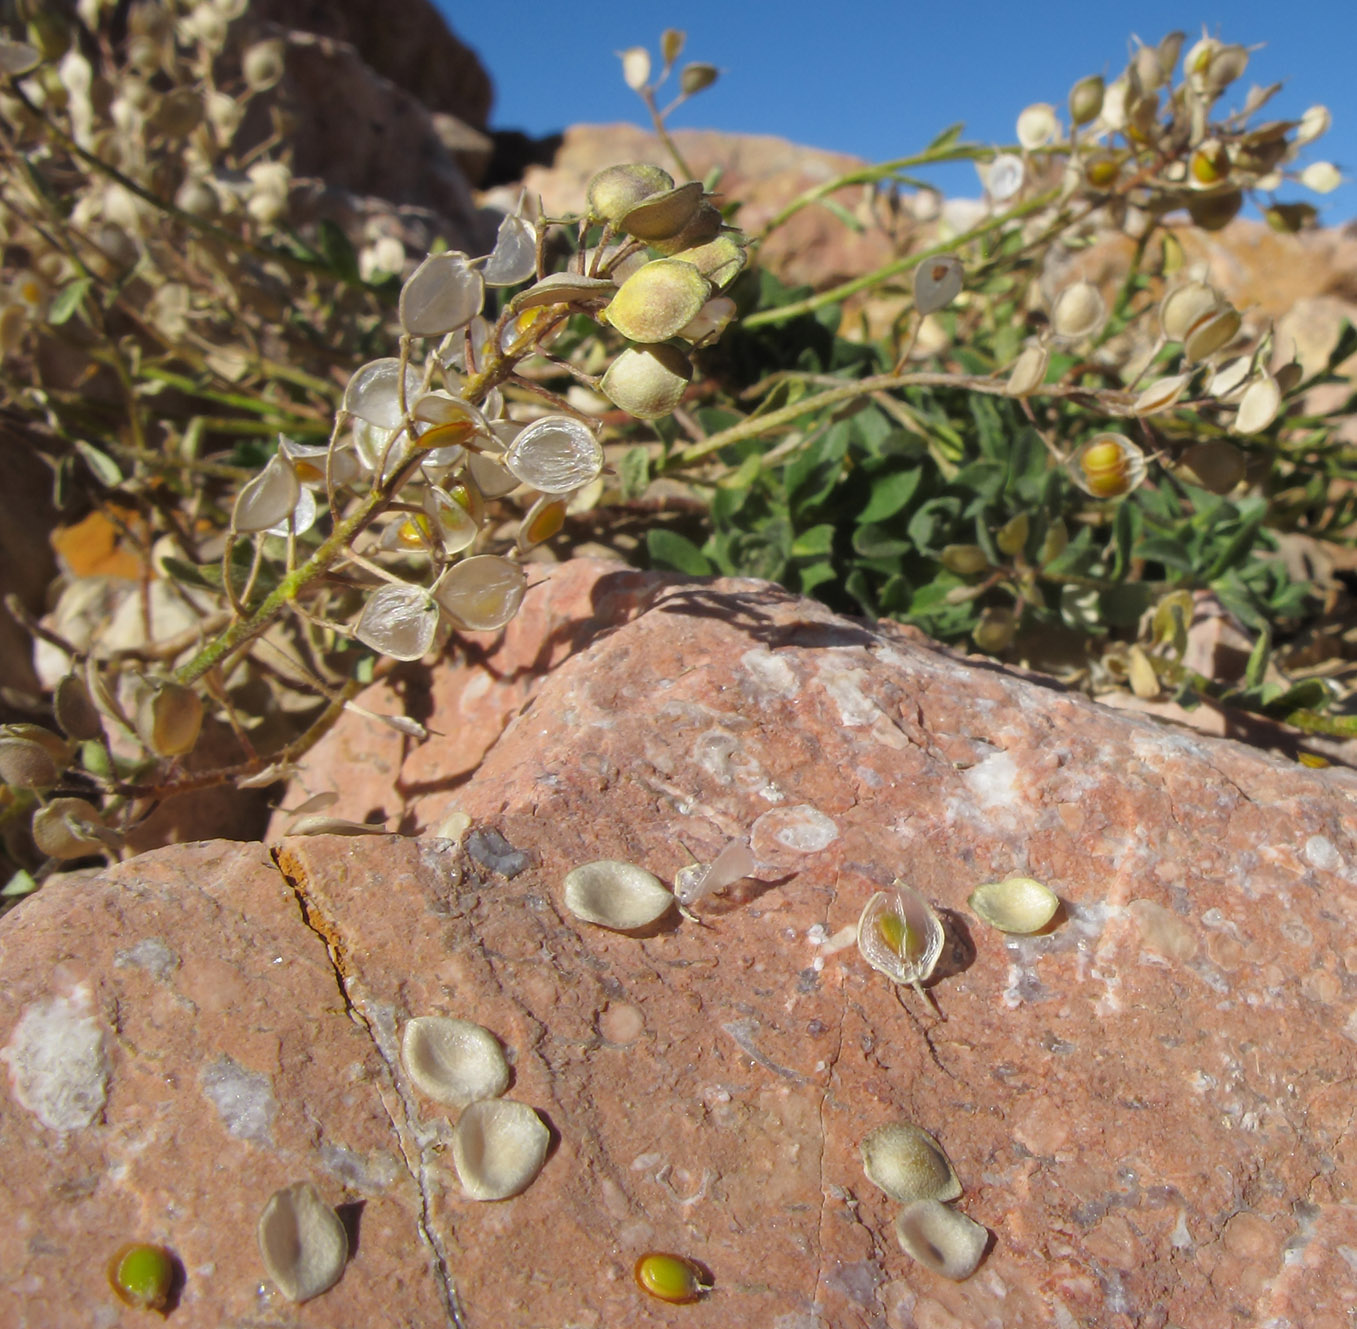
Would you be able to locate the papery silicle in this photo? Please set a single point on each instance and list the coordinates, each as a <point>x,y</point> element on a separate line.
<point>514,257</point>
<point>481,594</point>
<point>937,282</point>
<point>373,393</point>
<point>268,498</point>
<point>398,621</point>
<point>555,455</point>
<point>442,294</point>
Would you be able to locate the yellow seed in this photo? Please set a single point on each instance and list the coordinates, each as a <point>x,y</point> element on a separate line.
<point>1104,467</point>
<point>414,532</point>
<point>671,1278</point>
<point>896,933</point>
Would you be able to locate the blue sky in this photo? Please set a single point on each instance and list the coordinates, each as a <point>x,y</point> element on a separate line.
<point>880,80</point>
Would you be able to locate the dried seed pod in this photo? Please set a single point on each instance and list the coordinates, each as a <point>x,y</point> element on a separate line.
<point>1016,904</point>
<point>1208,336</point>
<point>482,593</point>
<point>559,288</point>
<point>1259,405</point>
<point>900,935</point>
<point>658,300</point>
<point>141,1274</point>
<point>268,499</point>
<point>908,1164</point>
<point>941,1239</point>
<point>498,1148</point>
<point>1029,370</point>
<point>937,282</point>
<point>732,864</point>
<point>1078,311</point>
<point>169,719</point>
<point>442,294</point>
<point>1186,306</point>
<point>453,1061</point>
<point>28,764</point>
<point>671,1278</point>
<point>1161,394</point>
<point>555,455</point>
<point>620,896</point>
<point>71,828</point>
<point>1086,99</point>
<point>1037,125</point>
<point>514,257</point>
<point>1108,466</point>
<point>373,392</point>
<point>302,1242</point>
<point>75,712</point>
<point>398,621</point>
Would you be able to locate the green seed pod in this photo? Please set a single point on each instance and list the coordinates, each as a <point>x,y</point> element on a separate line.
<point>671,1278</point>
<point>694,77</point>
<point>142,1275</point>
<point>26,765</point>
<point>1011,537</point>
<point>704,225</point>
<point>1086,99</point>
<point>70,828</point>
<point>169,720</point>
<point>994,629</point>
<point>613,192</point>
<point>647,382</point>
<point>720,260</point>
<point>658,300</point>
<point>662,216</point>
<point>1213,211</point>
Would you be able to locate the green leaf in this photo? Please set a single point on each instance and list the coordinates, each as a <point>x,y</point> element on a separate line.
<point>947,138</point>
<point>1121,606</point>
<point>103,467</point>
<point>633,471</point>
<point>67,300</point>
<point>338,252</point>
<point>813,541</point>
<point>21,883</point>
<point>815,574</point>
<point>872,541</point>
<point>672,550</point>
<point>890,493</point>
<point>1258,660</point>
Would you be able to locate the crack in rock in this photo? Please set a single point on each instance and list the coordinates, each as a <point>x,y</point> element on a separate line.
<point>380,1027</point>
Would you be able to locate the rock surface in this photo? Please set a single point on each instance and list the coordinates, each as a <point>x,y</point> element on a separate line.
<point>1149,1108</point>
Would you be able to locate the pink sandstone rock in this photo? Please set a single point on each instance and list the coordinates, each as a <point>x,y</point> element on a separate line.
<point>1148,1107</point>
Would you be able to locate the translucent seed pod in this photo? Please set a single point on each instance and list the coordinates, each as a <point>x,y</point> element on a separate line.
<point>1004,177</point>
<point>302,1243</point>
<point>169,719</point>
<point>647,382</point>
<point>635,67</point>
<point>541,521</point>
<point>482,593</point>
<point>941,1239</point>
<point>1313,124</point>
<point>660,216</point>
<point>373,392</point>
<point>619,896</point>
<point>1322,177</point>
<point>488,473</point>
<point>657,300</point>
<point>442,294</point>
<point>1016,904</point>
<point>268,499</point>
<point>498,1148</point>
<point>1037,126</point>
<point>732,864</point>
<point>614,191</point>
<point>555,455</point>
<point>709,322</point>
<point>1108,466</point>
<point>671,1278</point>
<point>900,936</point>
<point>142,1275</point>
<point>398,621</point>
<point>443,420</point>
<point>455,515</point>
<point>1078,312</point>
<point>453,1061</point>
<point>937,282</point>
<point>908,1164</point>
<point>1259,406</point>
<point>514,257</point>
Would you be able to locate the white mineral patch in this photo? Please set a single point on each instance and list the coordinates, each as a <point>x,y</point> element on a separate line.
<point>150,954</point>
<point>244,1099</point>
<point>57,1066</point>
<point>993,782</point>
<point>1321,854</point>
<point>801,828</point>
<point>844,687</point>
<point>771,674</point>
